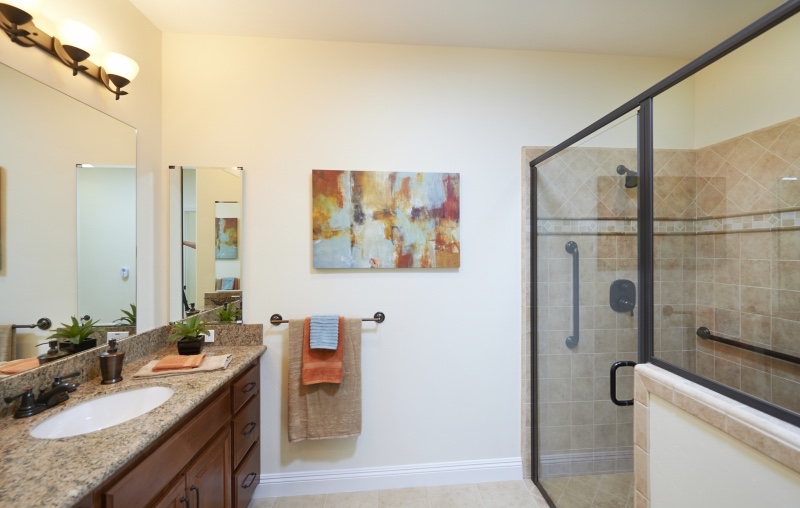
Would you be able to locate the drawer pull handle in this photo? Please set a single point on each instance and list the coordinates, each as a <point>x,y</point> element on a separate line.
<point>197,494</point>
<point>249,386</point>
<point>250,427</point>
<point>185,502</point>
<point>251,480</point>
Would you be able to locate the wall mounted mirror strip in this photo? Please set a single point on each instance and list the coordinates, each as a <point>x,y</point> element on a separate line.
<point>717,216</point>
<point>205,243</point>
<point>67,214</point>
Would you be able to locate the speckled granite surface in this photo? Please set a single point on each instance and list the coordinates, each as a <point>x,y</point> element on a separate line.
<point>60,472</point>
<point>134,347</point>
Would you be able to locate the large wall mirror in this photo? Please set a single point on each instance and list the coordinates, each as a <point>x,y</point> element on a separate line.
<point>205,241</point>
<point>67,212</point>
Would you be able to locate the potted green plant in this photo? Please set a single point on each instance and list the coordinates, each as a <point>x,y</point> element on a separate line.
<point>189,335</point>
<point>129,319</point>
<point>229,314</point>
<point>76,334</point>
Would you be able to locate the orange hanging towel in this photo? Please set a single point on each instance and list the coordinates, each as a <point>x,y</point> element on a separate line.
<point>322,365</point>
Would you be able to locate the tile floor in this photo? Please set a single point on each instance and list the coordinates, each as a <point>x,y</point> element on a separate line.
<point>521,493</point>
<point>613,490</point>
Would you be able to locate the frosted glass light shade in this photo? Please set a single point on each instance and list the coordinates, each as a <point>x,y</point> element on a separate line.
<point>120,65</point>
<point>77,35</point>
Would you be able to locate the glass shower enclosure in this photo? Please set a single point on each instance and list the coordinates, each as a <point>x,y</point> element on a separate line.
<point>586,316</point>
<point>666,232</point>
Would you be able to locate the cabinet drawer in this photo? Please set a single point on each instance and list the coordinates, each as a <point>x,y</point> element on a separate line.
<point>247,477</point>
<point>245,387</point>
<point>246,429</point>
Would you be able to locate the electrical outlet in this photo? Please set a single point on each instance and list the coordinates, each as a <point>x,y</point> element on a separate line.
<point>210,336</point>
<point>116,335</point>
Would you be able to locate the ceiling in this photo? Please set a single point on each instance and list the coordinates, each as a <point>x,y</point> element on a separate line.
<point>660,28</point>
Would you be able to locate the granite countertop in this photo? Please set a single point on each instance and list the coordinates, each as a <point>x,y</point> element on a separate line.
<point>60,472</point>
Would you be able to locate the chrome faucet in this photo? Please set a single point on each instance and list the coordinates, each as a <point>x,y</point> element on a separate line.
<point>57,393</point>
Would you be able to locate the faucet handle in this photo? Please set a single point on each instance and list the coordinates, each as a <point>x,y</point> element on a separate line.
<point>27,404</point>
<point>26,392</point>
<point>57,379</point>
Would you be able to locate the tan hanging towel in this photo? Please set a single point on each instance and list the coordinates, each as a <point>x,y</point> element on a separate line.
<point>8,343</point>
<point>325,410</point>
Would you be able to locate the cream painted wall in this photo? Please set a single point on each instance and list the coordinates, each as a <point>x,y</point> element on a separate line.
<point>124,29</point>
<point>752,88</point>
<point>696,465</point>
<point>441,376</point>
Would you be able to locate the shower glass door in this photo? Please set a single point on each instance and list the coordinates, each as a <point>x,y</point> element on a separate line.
<point>585,318</point>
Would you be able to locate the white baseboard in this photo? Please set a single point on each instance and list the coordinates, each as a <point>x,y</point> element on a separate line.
<point>392,477</point>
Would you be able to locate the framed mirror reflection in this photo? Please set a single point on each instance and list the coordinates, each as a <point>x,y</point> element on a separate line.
<point>205,243</point>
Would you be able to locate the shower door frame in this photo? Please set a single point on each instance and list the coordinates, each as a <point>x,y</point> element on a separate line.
<point>645,225</point>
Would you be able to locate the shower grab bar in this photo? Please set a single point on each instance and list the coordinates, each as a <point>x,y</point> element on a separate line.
<point>277,319</point>
<point>572,340</point>
<point>705,333</point>
<point>43,324</point>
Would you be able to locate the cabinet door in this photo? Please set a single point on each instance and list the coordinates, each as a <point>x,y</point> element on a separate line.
<point>208,476</point>
<point>175,496</point>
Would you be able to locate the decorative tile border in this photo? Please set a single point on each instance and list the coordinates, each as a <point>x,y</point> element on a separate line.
<point>586,226</point>
<point>772,437</point>
<point>744,223</point>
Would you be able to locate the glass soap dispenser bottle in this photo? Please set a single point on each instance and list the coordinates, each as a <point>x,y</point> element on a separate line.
<point>111,364</point>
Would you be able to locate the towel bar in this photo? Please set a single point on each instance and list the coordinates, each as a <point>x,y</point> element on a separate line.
<point>277,319</point>
<point>42,324</point>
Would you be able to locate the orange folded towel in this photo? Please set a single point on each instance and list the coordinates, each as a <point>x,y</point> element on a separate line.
<point>178,362</point>
<point>321,365</point>
<point>17,366</point>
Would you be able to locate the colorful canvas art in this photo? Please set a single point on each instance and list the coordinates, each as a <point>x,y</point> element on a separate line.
<point>368,219</point>
<point>227,238</point>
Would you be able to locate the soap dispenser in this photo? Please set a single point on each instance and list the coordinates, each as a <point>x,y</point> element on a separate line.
<point>111,364</point>
<point>52,354</point>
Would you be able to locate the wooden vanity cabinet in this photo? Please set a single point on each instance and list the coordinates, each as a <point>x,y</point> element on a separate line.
<point>209,456</point>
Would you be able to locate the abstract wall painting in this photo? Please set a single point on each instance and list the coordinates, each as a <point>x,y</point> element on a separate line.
<point>226,238</point>
<point>369,219</point>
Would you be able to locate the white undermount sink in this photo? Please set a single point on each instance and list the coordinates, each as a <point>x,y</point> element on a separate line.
<point>102,412</point>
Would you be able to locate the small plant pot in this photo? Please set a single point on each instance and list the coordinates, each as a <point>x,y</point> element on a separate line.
<point>77,348</point>
<point>191,346</point>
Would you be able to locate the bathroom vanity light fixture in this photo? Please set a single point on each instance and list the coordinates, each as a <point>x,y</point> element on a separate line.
<point>72,44</point>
